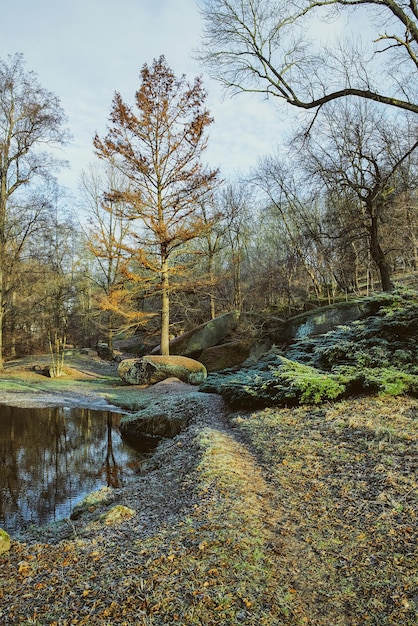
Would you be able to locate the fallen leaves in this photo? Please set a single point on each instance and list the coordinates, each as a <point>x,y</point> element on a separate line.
<point>290,517</point>
<point>344,503</point>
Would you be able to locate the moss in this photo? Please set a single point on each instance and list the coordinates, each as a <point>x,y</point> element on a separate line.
<point>117,515</point>
<point>5,542</point>
<point>289,383</point>
<point>310,385</point>
<point>376,354</point>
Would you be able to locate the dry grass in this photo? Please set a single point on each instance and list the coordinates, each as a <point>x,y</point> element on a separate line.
<point>345,495</point>
<point>280,517</point>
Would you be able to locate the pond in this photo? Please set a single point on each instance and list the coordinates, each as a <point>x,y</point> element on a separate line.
<point>51,458</point>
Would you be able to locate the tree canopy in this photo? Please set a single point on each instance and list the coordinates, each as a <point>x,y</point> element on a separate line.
<point>31,119</point>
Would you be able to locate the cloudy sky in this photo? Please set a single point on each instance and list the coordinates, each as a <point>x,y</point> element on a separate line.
<point>85,50</point>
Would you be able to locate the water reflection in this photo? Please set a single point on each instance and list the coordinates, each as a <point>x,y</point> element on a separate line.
<point>51,458</point>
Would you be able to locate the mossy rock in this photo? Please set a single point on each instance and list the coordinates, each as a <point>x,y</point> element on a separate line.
<point>375,354</point>
<point>92,502</point>
<point>225,355</point>
<point>166,417</point>
<point>152,369</point>
<point>282,383</point>
<point>204,336</point>
<point>117,515</point>
<point>5,541</point>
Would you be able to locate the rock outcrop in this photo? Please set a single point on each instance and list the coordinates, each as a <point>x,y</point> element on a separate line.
<point>152,369</point>
<point>103,351</point>
<point>167,416</point>
<point>203,336</point>
<point>225,355</point>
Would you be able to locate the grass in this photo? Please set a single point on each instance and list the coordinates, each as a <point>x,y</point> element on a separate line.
<point>83,376</point>
<point>345,496</point>
<point>276,517</point>
<point>210,565</point>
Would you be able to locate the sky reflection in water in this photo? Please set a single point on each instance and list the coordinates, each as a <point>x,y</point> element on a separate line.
<point>50,458</point>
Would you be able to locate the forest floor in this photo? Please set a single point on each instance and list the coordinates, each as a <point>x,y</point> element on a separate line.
<point>272,517</point>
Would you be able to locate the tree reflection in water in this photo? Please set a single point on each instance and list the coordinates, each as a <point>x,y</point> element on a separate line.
<point>51,458</point>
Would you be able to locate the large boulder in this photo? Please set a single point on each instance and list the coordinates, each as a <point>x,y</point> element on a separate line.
<point>321,320</point>
<point>203,336</point>
<point>225,355</point>
<point>152,369</point>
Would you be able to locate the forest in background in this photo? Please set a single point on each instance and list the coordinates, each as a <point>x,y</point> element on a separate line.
<point>159,241</point>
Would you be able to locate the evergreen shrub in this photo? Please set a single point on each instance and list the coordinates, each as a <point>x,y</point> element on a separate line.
<point>376,354</point>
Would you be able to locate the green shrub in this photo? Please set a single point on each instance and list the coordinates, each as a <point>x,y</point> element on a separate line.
<point>390,381</point>
<point>309,385</point>
<point>377,354</point>
<point>287,384</point>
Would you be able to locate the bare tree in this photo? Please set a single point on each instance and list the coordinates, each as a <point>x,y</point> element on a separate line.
<point>285,195</point>
<point>264,46</point>
<point>235,204</point>
<point>31,118</point>
<point>357,148</point>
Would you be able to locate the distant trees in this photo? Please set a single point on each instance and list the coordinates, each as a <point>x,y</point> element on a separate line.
<point>337,212</point>
<point>106,237</point>
<point>158,148</point>
<point>347,205</point>
<point>357,151</point>
<point>31,119</point>
<point>289,200</point>
<point>235,203</point>
<point>45,310</point>
<point>356,170</point>
<point>57,286</point>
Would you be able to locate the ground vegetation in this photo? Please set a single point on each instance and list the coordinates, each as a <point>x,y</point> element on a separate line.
<point>300,512</point>
<point>376,353</point>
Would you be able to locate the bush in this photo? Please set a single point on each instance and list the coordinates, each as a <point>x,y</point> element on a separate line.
<point>288,383</point>
<point>390,381</point>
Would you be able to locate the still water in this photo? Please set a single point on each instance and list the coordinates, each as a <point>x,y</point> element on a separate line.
<point>51,458</point>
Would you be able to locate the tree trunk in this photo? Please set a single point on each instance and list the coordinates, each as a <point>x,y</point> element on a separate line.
<point>110,330</point>
<point>378,255</point>
<point>3,195</point>
<point>236,260</point>
<point>165,309</point>
<point>211,284</point>
<point>412,237</point>
<point>1,328</point>
<point>2,292</point>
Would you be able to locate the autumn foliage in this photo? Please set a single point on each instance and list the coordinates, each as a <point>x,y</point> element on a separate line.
<point>157,146</point>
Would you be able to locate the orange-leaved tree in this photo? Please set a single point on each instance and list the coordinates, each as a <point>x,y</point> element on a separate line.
<point>158,147</point>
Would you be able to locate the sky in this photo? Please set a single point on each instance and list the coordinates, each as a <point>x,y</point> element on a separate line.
<point>85,50</point>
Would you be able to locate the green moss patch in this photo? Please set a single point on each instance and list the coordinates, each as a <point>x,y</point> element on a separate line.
<point>375,354</point>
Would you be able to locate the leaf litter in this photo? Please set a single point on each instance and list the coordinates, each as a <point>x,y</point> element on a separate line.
<point>277,517</point>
